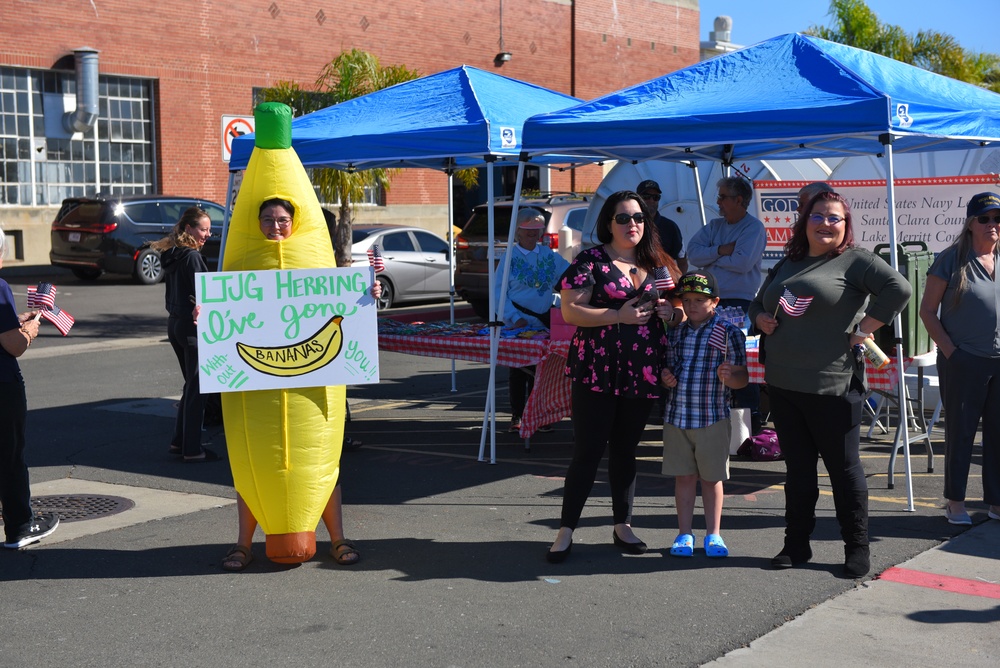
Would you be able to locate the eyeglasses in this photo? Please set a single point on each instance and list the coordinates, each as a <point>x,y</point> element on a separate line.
<point>653,197</point>
<point>722,197</point>
<point>625,219</point>
<point>282,223</point>
<point>986,220</point>
<point>818,219</point>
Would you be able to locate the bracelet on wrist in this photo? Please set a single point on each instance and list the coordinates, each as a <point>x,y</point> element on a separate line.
<point>859,332</point>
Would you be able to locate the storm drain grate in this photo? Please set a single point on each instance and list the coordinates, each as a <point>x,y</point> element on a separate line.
<point>80,507</point>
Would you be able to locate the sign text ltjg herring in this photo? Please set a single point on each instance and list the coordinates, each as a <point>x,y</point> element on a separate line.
<point>265,330</point>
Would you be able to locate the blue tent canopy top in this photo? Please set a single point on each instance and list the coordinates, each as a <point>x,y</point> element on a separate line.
<point>458,117</point>
<point>795,96</point>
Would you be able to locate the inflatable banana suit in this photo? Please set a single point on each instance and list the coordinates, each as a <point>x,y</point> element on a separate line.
<point>284,445</point>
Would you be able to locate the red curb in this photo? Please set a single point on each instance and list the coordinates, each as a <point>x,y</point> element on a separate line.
<point>941,582</point>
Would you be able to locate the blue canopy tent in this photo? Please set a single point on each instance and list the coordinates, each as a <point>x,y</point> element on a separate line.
<point>463,117</point>
<point>792,96</point>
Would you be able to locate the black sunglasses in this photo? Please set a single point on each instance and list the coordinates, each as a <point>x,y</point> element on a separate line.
<point>986,220</point>
<point>651,196</point>
<point>625,219</point>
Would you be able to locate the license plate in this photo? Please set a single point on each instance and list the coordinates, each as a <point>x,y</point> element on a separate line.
<point>73,236</point>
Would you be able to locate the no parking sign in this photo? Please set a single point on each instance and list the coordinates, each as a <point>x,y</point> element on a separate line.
<point>233,127</point>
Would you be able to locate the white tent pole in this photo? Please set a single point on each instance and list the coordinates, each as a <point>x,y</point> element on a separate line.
<point>903,430</point>
<point>489,416</point>
<point>226,218</point>
<point>697,188</point>
<point>451,260</point>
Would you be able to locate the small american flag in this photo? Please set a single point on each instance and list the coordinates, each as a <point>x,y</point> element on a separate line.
<point>664,281</point>
<point>375,259</point>
<point>60,318</point>
<point>42,296</point>
<point>719,338</point>
<point>794,306</point>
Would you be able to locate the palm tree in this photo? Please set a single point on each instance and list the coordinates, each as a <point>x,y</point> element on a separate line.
<point>351,74</point>
<point>855,24</point>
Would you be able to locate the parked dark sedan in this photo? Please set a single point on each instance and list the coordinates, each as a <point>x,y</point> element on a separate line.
<point>93,235</point>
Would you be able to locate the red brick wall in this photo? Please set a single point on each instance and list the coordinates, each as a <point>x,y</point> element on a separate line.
<point>208,54</point>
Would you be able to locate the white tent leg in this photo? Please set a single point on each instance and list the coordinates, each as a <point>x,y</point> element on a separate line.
<point>451,261</point>
<point>489,416</point>
<point>226,218</point>
<point>903,429</point>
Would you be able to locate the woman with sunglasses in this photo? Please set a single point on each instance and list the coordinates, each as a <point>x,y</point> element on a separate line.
<point>816,308</point>
<point>614,359</point>
<point>962,282</point>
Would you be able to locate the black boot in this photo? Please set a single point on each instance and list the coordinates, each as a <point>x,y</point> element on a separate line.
<point>857,560</point>
<point>793,553</point>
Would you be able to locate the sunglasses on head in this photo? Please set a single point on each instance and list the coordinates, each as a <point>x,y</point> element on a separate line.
<point>625,219</point>
<point>986,220</point>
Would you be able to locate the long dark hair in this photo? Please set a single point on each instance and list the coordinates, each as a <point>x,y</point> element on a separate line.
<point>798,246</point>
<point>179,236</point>
<point>649,254</point>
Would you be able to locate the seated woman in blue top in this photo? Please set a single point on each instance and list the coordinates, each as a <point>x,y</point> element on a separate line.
<point>534,270</point>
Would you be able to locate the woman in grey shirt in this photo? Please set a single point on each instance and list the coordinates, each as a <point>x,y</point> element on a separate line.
<point>812,307</point>
<point>962,282</point>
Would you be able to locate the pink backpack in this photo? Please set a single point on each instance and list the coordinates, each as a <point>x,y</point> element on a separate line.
<point>763,447</point>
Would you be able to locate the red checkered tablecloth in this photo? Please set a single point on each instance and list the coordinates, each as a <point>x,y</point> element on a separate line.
<point>512,352</point>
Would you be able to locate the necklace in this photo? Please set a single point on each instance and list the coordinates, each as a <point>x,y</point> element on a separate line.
<point>631,263</point>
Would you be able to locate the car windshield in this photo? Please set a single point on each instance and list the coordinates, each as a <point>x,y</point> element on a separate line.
<point>361,234</point>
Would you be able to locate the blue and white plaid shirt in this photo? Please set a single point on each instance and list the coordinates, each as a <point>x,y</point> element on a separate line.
<point>700,399</point>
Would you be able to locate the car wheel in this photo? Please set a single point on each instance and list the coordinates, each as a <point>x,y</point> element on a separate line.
<point>385,301</point>
<point>86,273</point>
<point>148,270</point>
<point>481,308</point>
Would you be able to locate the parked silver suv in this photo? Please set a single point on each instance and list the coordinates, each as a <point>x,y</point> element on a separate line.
<point>472,244</point>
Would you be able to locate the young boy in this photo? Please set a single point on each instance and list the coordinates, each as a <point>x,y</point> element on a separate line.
<point>705,359</point>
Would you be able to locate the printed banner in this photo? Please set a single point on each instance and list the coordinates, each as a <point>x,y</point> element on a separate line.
<point>264,330</point>
<point>928,210</point>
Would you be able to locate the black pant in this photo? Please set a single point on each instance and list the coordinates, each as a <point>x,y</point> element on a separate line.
<point>810,426</point>
<point>520,382</point>
<point>602,421</point>
<point>187,428</point>
<point>970,389</point>
<point>15,494</point>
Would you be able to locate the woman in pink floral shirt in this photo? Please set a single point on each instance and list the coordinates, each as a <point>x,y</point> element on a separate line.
<point>614,359</point>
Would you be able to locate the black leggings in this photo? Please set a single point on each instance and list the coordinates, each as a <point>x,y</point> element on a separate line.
<point>182,335</point>
<point>602,421</point>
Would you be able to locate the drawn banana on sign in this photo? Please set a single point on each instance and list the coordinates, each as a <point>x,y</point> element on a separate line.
<point>312,353</point>
<point>284,445</point>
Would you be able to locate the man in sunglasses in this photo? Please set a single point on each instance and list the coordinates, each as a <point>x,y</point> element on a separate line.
<point>732,248</point>
<point>670,234</point>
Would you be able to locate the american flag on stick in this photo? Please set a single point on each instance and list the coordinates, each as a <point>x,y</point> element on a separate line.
<point>375,259</point>
<point>58,317</point>
<point>719,338</point>
<point>664,281</point>
<point>42,296</point>
<point>794,306</point>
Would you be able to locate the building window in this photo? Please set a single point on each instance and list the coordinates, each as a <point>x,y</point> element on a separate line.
<point>39,170</point>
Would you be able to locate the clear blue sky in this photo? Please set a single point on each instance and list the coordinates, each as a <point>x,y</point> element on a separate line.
<point>971,22</point>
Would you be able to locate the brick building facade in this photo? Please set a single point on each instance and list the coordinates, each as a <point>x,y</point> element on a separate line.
<point>169,71</point>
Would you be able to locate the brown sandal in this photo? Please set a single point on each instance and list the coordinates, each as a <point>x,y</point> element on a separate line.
<point>345,553</point>
<point>238,559</point>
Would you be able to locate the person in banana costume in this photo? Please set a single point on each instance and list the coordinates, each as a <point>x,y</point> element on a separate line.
<point>284,445</point>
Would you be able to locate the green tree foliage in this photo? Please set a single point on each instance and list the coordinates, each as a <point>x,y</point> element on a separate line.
<point>351,74</point>
<point>855,24</point>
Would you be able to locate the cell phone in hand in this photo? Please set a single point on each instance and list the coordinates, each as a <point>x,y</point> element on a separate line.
<point>648,297</point>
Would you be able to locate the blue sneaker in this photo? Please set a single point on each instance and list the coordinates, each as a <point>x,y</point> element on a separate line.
<point>683,545</point>
<point>715,546</point>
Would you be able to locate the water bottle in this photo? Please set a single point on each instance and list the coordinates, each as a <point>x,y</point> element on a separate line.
<point>874,354</point>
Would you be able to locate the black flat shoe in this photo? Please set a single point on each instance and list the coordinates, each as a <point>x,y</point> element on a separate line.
<point>628,548</point>
<point>559,556</point>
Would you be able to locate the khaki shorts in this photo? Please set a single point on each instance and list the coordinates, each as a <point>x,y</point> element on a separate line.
<point>703,452</point>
